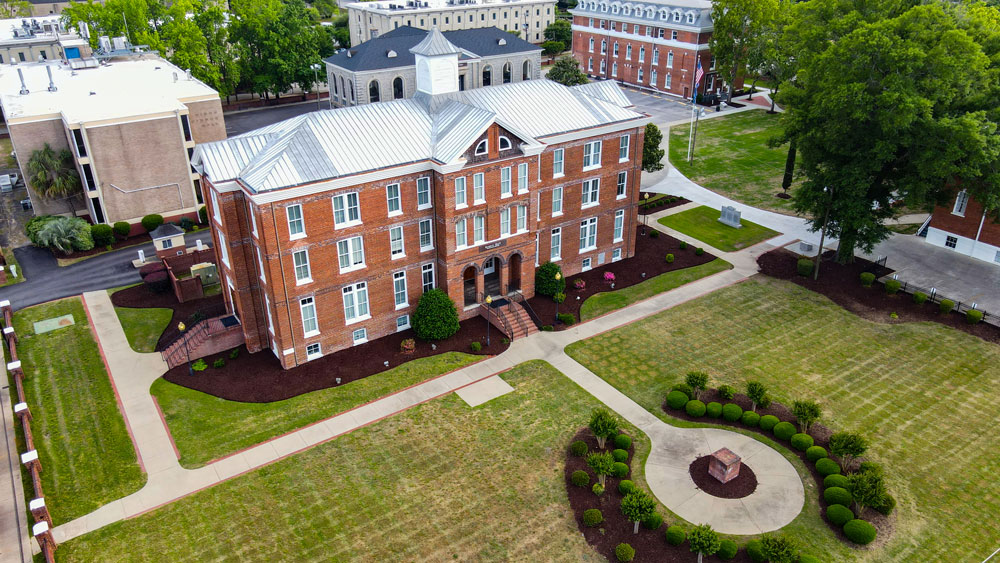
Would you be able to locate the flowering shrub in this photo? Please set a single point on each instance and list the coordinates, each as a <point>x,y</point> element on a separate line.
<point>609,277</point>
<point>580,284</point>
<point>407,346</point>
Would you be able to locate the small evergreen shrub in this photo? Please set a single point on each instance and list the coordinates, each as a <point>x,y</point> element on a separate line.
<point>436,317</point>
<point>699,251</point>
<point>684,388</point>
<point>619,470</point>
<point>103,235</point>
<point>580,478</point>
<point>203,215</point>
<point>768,421</point>
<point>804,266</point>
<point>675,535</point>
<point>121,229</point>
<point>592,517</point>
<point>838,515</point>
<point>919,297</point>
<point>837,495</point>
<point>566,318</point>
<point>892,286</point>
<point>653,521</point>
<point>816,452</point>
<point>677,399</point>
<point>547,328</point>
<point>683,245</point>
<point>783,430</point>
<point>199,365</point>
<point>670,258</point>
<point>624,551</point>
<point>186,223</point>
<point>476,347</point>
<point>836,480</point>
<point>946,305</point>
<point>578,448</point>
<point>727,550</point>
<point>598,489</point>
<point>727,392</point>
<point>885,504</point>
<point>654,234</point>
<point>623,441</point>
<point>545,279</point>
<point>750,419</point>
<point>695,408</point>
<point>755,550</point>
<point>559,297</point>
<point>234,353</point>
<point>151,222</point>
<point>860,532</point>
<point>827,466</point>
<point>620,455</point>
<point>867,279</point>
<point>625,487</point>
<point>973,316</point>
<point>713,410</point>
<point>802,442</point>
<point>219,363</point>
<point>732,412</point>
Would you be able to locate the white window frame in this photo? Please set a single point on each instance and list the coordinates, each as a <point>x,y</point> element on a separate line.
<point>590,193</point>
<point>461,233</point>
<point>592,155</point>
<point>558,163</point>
<point>306,276</point>
<point>356,290</point>
<point>215,207</point>
<point>405,301</point>
<point>505,222</point>
<point>616,254</point>
<point>522,218</point>
<point>424,270</point>
<point>393,198</point>
<point>270,320</point>
<point>586,265</point>
<point>557,201</point>
<point>405,325</point>
<point>309,303</point>
<point>951,241</point>
<point>623,145</point>
<point>484,145</point>
<point>461,200</point>
<point>223,248</point>
<point>478,188</point>
<point>670,60</point>
<point>253,218</point>
<point>397,246</point>
<point>478,229</point>
<point>299,221</point>
<point>501,142</point>
<point>555,244</point>
<point>622,185</point>
<point>260,261</point>
<point>425,223</point>
<point>424,193</point>
<point>359,336</point>
<point>522,178</point>
<point>505,182</point>
<point>314,355</point>
<point>344,200</point>
<point>619,225</point>
<point>351,251</point>
<point>588,235</point>
<point>961,203</point>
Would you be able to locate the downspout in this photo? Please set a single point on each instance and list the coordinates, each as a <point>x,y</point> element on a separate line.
<point>979,232</point>
<point>284,288</point>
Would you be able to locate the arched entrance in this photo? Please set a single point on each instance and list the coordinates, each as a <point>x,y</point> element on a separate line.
<point>514,273</point>
<point>469,286</point>
<point>491,276</point>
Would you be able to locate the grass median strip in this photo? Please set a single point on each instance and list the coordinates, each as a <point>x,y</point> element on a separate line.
<point>143,327</point>
<point>702,223</point>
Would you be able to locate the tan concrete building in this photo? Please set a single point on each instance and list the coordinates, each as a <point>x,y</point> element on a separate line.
<point>39,39</point>
<point>47,7</point>
<point>130,123</point>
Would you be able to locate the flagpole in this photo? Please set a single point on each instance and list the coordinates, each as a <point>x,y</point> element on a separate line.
<point>694,110</point>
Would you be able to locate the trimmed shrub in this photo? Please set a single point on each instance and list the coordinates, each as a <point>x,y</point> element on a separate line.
<point>578,448</point>
<point>892,286</point>
<point>836,480</point>
<point>837,495</point>
<point>103,235</point>
<point>476,346</point>
<point>816,452</point>
<point>150,268</point>
<point>677,399</point>
<point>714,410</point>
<point>732,412</point>
<point>624,551</point>
<point>436,317</point>
<point>670,258</point>
<point>203,215</point>
<point>619,470</point>
<point>186,223</point>
<point>219,363</point>
<point>768,421</point>
<point>699,251</point>
<point>675,535</point>
<point>838,515</point>
<point>151,222</point>
<point>695,408</point>
<point>867,279</point>
<point>755,550</point>
<point>860,532</point>
<point>158,282</point>
<point>35,224</point>
<point>199,365</point>
<point>827,466</point>
<point>623,441</point>
<point>625,487</point>
<point>545,279</point>
<point>592,517</point>
<point>580,478</point>
<point>946,305</point>
<point>547,328</point>
<point>121,229</point>
<point>919,297</point>
<point>598,489</point>
<point>727,392</point>
<point>972,316</point>
<point>653,521</point>
<point>805,266</point>
<point>566,318</point>
<point>802,442</point>
<point>620,455</point>
<point>727,550</point>
<point>559,297</point>
<point>684,388</point>
<point>750,419</point>
<point>783,430</point>
<point>885,504</point>
<point>683,245</point>
<point>654,234</point>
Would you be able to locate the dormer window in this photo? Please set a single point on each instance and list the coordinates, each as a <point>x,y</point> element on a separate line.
<point>391,54</point>
<point>690,18</point>
<point>677,16</point>
<point>504,143</point>
<point>501,41</point>
<point>482,148</point>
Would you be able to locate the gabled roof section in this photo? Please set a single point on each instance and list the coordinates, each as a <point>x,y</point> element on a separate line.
<point>605,90</point>
<point>435,44</point>
<point>456,125</point>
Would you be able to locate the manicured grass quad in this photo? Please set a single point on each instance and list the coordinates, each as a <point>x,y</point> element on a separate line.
<point>143,327</point>
<point>702,223</point>
<point>205,428</point>
<point>86,454</point>
<point>925,395</point>
<point>732,158</point>
<point>439,482</point>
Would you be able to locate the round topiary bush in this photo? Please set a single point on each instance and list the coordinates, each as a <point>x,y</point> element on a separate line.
<point>121,229</point>
<point>860,532</point>
<point>620,455</point>
<point>578,448</point>
<point>592,517</point>
<point>625,487</point>
<point>624,551</point>
<point>435,317</point>
<point>768,421</point>
<point>699,251</point>
<point>695,408</point>
<point>675,535</point>
<point>816,452</point>
<point>804,266</point>
<point>837,495</point>
<point>727,392</point>
<point>598,489</point>
<point>836,480</point>
<point>919,297</point>
<point>727,550</point>
<point>580,478</point>
<point>755,550</point>
<point>732,412</point>
<point>946,305</point>
<point>802,442</point>
<point>783,430</point>
<point>867,279</point>
<point>670,258</point>
<point>623,441</point>
<point>714,409</point>
<point>827,466</point>
<point>653,521</point>
<point>838,515</point>
<point>750,419</point>
<point>151,222</point>
<point>892,286</point>
<point>684,388</point>
<point>619,470</point>
<point>546,282</point>
<point>972,316</point>
<point>103,235</point>
<point>677,399</point>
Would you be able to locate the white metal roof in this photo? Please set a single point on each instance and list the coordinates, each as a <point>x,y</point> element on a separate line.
<point>605,90</point>
<point>435,44</point>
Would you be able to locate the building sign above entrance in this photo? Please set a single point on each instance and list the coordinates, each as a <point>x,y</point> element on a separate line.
<point>492,245</point>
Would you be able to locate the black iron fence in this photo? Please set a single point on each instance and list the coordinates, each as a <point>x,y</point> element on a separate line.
<point>935,296</point>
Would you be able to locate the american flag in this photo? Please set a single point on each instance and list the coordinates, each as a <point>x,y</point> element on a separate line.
<point>698,74</point>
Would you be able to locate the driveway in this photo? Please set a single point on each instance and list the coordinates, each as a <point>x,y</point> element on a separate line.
<point>241,122</point>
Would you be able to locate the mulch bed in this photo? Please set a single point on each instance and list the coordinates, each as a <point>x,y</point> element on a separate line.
<point>119,243</point>
<point>258,378</point>
<point>842,284</point>
<point>140,297</point>
<point>649,545</point>
<point>649,261</point>
<point>677,202</point>
<point>743,485</point>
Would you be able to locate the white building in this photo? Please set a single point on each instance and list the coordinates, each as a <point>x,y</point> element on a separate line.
<point>25,40</point>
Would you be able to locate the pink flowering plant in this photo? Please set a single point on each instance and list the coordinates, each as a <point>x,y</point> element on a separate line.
<point>609,277</point>
<point>579,284</point>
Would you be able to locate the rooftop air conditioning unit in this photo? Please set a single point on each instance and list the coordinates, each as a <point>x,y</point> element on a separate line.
<point>104,43</point>
<point>120,44</point>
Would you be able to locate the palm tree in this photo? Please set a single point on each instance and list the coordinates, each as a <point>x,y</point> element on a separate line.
<point>53,175</point>
<point>58,234</point>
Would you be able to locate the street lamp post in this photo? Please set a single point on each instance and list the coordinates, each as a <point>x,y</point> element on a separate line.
<point>315,67</point>
<point>489,311</point>
<point>558,277</point>
<point>645,216</point>
<point>187,353</point>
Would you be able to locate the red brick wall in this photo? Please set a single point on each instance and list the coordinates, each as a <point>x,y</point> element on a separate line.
<point>967,226</point>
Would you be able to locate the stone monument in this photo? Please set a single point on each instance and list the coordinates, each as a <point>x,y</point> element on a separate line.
<point>724,465</point>
<point>730,217</point>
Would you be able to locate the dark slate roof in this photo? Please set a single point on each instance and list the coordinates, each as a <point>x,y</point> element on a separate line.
<point>374,54</point>
<point>165,230</point>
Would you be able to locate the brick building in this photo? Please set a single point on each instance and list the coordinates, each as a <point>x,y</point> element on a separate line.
<point>967,228</point>
<point>647,44</point>
<point>329,226</point>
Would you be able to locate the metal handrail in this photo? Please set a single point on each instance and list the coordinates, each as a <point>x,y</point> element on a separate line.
<point>200,328</point>
<point>503,321</point>
<point>523,301</point>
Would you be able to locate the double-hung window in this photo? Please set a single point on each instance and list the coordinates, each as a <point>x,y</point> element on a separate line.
<point>399,290</point>
<point>253,218</point>
<point>270,320</point>
<point>619,224</point>
<point>351,253</point>
<point>505,181</point>
<point>310,326</point>
<point>557,162</point>
<point>460,200</point>
<point>591,155</point>
<point>296,225</point>
<point>396,249</point>
<point>423,193</point>
<point>314,351</point>
<point>522,218</point>
<point>590,189</point>
<point>505,222</point>
<point>302,272</point>
<point>260,262</point>
<point>478,187</point>
<point>346,211</point>
<point>460,234</point>
<point>622,184</point>
<point>223,248</point>
<point>522,178</point>
<point>961,202</point>
<point>392,197</point>
<point>477,229</point>
<point>588,234</point>
<point>557,200</point>
<point>427,277</point>
<point>623,148</point>
<point>356,302</point>
<point>426,237</point>
<point>556,244</point>
<point>215,206</point>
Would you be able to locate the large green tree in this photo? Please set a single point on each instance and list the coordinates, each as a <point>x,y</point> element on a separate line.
<point>740,39</point>
<point>211,20</point>
<point>53,175</point>
<point>559,30</point>
<point>10,9</point>
<point>566,71</point>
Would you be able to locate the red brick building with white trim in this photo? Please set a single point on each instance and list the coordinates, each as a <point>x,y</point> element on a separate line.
<point>966,227</point>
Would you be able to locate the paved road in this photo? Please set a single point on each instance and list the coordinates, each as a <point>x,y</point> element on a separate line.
<point>47,281</point>
<point>241,122</point>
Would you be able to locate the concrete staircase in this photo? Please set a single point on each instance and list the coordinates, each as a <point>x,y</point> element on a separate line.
<point>208,337</point>
<point>517,320</point>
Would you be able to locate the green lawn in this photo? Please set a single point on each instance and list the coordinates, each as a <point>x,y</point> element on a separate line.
<point>86,453</point>
<point>733,159</point>
<point>702,223</point>
<point>206,428</point>
<point>923,393</point>
<point>441,481</point>
<point>8,255</point>
<point>143,327</point>
<point>605,302</point>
